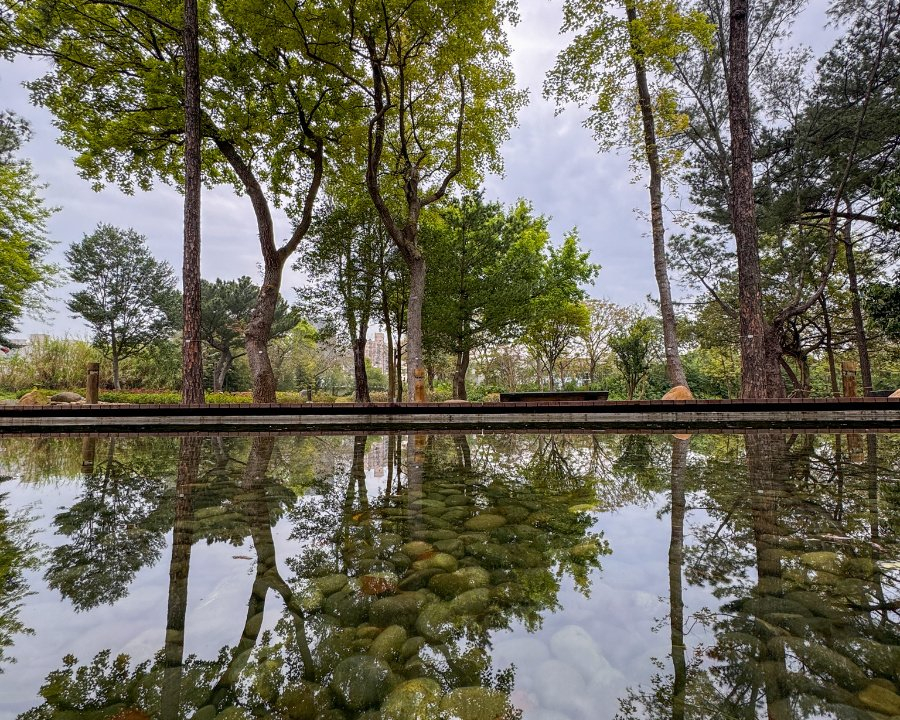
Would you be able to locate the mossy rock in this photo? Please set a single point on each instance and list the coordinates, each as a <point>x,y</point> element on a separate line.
<point>412,700</point>
<point>473,703</point>
<point>437,622</point>
<point>388,644</point>
<point>303,700</point>
<point>361,682</point>
<point>416,548</point>
<point>437,561</point>
<point>471,602</point>
<point>449,585</point>
<point>419,579</point>
<point>484,522</point>
<point>401,609</point>
<point>330,584</point>
<point>880,699</point>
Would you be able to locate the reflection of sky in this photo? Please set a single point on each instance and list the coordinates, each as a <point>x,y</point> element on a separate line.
<point>576,666</point>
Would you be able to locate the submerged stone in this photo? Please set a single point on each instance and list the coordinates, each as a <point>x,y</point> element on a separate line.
<point>415,699</point>
<point>449,585</point>
<point>361,681</point>
<point>401,609</point>
<point>880,699</point>
<point>416,548</point>
<point>330,584</point>
<point>474,703</point>
<point>484,521</point>
<point>437,561</point>
<point>388,643</point>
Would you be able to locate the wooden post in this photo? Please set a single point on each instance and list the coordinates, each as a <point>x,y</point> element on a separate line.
<point>93,383</point>
<point>419,392</point>
<point>848,377</point>
<point>88,455</point>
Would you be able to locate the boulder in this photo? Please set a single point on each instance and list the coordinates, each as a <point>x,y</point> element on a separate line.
<point>436,561</point>
<point>35,397</point>
<point>895,394</point>
<point>485,521</point>
<point>474,703</point>
<point>679,392</point>
<point>412,700</point>
<point>361,681</point>
<point>388,644</point>
<point>66,397</point>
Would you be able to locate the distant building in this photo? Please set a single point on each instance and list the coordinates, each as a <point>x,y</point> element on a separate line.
<point>376,352</point>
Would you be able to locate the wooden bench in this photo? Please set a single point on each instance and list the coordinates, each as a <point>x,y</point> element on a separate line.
<point>555,396</point>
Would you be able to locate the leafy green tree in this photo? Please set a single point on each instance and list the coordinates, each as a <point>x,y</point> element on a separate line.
<point>634,349</point>
<point>440,99</point>
<point>558,317</point>
<point>226,306</point>
<point>343,260</point>
<point>128,295</point>
<point>485,268</point>
<point>610,57</point>
<point>25,275</point>
<point>115,87</point>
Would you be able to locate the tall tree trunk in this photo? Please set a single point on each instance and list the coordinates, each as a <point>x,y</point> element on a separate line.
<point>257,335</point>
<point>179,568</point>
<point>459,375</point>
<point>398,372</point>
<point>223,367</point>
<point>859,327</point>
<point>416,264</point>
<point>676,561</point>
<point>674,368</point>
<point>760,374</point>
<point>361,379</point>
<point>115,370</point>
<point>191,359</point>
<point>829,346</point>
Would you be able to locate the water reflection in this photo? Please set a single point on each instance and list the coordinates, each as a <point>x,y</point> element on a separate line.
<point>440,576</point>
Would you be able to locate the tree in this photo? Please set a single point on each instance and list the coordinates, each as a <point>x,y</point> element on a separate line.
<point>441,99</point>
<point>116,90</point>
<point>558,316</point>
<point>594,69</point>
<point>634,350</point>
<point>605,318</point>
<point>346,244</point>
<point>25,275</point>
<point>485,268</point>
<point>225,311</point>
<point>128,296</point>
<point>192,361</point>
<point>553,330</point>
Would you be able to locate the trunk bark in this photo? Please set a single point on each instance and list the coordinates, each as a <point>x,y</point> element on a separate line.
<point>760,377</point>
<point>859,327</point>
<point>179,568</point>
<point>192,361</point>
<point>674,368</point>
<point>829,347</point>
<point>223,367</point>
<point>416,264</point>
<point>115,370</point>
<point>398,372</point>
<point>676,595</point>
<point>361,379</point>
<point>258,332</point>
<point>459,375</point>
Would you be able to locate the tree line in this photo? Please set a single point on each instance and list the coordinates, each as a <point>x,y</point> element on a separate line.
<point>373,123</point>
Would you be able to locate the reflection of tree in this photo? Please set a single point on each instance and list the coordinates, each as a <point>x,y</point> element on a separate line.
<point>18,553</point>
<point>115,528</point>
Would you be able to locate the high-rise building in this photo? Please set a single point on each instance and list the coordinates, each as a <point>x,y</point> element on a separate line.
<point>376,352</point>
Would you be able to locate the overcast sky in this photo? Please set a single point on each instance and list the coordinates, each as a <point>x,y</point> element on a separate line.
<point>550,160</point>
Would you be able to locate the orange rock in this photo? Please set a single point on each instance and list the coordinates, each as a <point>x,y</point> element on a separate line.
<point>682,436</point>
<point>33,398</point>
<point>378,584</point>
<point>895,394</point>
<point>679,392</point>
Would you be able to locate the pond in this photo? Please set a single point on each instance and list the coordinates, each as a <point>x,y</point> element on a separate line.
<point>543,577</point>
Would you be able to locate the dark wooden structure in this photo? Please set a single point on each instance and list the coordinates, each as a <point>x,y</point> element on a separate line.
<point>555,396</point>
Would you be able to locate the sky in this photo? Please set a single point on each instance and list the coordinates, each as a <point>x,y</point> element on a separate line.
<point>551,160</point>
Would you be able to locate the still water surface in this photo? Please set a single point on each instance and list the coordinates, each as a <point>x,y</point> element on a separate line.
<point>542,577</point>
